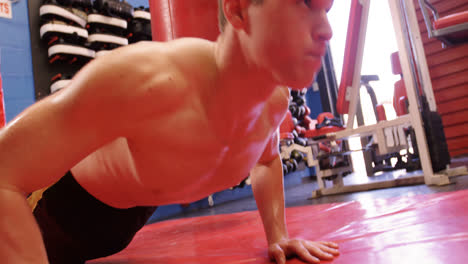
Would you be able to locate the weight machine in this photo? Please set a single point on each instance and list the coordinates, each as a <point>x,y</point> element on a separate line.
<point>389,135</point>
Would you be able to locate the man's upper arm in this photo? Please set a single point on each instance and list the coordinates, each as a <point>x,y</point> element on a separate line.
<point>102,102</point>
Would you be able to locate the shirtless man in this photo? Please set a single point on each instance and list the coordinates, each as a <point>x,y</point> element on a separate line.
<point>114,130</point>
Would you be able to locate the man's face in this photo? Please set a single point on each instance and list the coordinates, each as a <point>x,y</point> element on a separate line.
<point>289,37</point>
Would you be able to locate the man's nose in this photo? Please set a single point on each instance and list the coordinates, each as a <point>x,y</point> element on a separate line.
<point>323,31</point>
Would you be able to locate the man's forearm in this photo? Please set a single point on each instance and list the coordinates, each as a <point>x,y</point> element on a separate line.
<point>21,240</point>
<point>267,185</point>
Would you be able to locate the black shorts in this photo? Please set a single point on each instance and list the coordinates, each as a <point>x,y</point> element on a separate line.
<point>77,227</point>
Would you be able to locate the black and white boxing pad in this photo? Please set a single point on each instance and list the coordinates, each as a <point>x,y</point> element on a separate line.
<point>59,82</point>
<point>139,28</point>
<point>70,53</point>
<point>114,8</point>
<point>98,23</point>
<point>80,4</point>
<point>52,31</point>
<point>142,13</point>
<point>106,41</point>
<point>73,16</point>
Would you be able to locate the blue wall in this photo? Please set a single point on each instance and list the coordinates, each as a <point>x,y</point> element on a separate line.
<point>137,3</point>
<point>314,103</point>
<point>16,60</point>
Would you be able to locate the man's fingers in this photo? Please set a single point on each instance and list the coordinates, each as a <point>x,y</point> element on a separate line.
<point>318,252</point>
<point>308,251</point>
<point>277,254</point>
<point>329,249</point>
<point>329,244</point>
<point>303,253</point>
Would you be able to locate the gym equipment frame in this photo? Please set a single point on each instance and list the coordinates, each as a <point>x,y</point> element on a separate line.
<point>410,49</point>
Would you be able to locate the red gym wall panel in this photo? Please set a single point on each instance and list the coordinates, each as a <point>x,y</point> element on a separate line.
<point>451,93</point>
<point>448,69</point>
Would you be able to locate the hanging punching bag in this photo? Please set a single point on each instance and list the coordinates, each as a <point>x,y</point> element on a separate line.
<point>171,19</point>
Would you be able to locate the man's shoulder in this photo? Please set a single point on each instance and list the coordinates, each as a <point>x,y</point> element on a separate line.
<point>280,98</point>
<point>277,105</point>
<point>186,55</point>
<point>146,63</point>
<point>192,54</point>
<point>162,69</point>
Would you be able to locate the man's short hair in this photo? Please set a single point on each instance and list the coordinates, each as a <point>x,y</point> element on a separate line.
<point>222,21</point>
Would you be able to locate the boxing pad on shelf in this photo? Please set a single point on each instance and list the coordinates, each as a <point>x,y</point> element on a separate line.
<point>106,42</point>
<point>171,19</point>
<point>98,23</point>
<point>69,53</point>
<point>59,82</point>
<point>53,31</point>
<point>142,13</point>
<point>114,8</point>
<point>81,4</point>
<point>73,16</point>
<point>139,29</point>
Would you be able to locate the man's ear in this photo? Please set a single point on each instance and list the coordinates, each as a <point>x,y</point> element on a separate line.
<point>236,12</point>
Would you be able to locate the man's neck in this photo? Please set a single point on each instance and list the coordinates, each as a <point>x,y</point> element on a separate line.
<point>241,89</point>
<point>237,71</point>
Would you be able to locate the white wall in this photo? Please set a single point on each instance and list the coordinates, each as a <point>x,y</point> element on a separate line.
<point>380,43</point>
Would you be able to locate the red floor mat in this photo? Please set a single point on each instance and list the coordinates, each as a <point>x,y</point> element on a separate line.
<point>421,229</point>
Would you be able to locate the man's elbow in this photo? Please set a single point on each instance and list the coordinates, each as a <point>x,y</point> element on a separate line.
<point>269,160</point>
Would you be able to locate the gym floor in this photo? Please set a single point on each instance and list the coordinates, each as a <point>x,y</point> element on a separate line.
<point>413,225</point>
<point>297,194</point>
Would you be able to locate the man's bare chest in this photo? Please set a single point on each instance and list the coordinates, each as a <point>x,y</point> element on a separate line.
<point>188,148</point>
<point>178,157</point>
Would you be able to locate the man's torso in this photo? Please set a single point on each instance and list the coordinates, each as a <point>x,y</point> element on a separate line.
<point>182,155</point>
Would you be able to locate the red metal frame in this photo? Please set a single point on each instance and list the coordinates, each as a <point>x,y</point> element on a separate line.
<point>349,61</point>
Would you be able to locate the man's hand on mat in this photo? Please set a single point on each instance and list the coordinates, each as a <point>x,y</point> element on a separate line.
<point>308,251</point>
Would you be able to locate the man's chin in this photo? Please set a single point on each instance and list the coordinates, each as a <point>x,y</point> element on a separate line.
<point>298,85</point>
<point>296,81</point>
<point>298,88</point>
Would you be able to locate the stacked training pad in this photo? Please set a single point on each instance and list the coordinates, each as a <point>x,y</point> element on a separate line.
<point>77,31</point>
<point>139,29</point>
<point>108,24</point>
<point>63,29</point>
